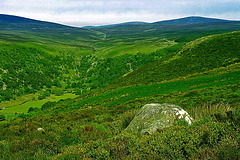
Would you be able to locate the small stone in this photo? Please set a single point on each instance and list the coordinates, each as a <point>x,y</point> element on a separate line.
<point>40,129</point>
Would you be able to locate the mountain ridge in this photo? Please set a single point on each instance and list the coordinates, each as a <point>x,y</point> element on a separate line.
<point>12,19</point>
<point>114,25</point>
<point>15,25</point>
<point>190,20</point>
<point>5,18</point>
<point>177,21</point>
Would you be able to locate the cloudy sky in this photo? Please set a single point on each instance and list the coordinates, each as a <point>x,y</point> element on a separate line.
<point>100,12</point>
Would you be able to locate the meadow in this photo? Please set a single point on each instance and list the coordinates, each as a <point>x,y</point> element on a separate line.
<point>23,108</point>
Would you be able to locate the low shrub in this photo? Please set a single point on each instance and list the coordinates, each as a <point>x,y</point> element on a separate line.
<point>207,111</point>
<point>48,105</point>
<point>33,109</point>
<point>2,118</point>
<point>42,96</point>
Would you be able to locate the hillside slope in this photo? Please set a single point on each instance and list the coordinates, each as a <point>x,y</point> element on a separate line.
<point>91,126</point>
<point>197,56</point>
<point>82,60</point>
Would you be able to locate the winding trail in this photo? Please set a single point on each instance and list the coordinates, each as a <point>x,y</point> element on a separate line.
<point>105,35</point>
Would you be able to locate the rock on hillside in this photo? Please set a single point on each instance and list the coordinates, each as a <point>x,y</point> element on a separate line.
<point>157,116</point>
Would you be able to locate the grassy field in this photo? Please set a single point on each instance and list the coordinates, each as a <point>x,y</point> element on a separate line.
<point>11,109</point>
<point>117,47</point>
<point>53,47</point>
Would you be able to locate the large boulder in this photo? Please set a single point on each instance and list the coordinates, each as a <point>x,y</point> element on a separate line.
<point>157,116</point>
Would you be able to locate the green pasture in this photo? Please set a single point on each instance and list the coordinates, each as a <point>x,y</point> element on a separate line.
<point>118,47</point>
<point>54,48</point>
<point>23,108</point>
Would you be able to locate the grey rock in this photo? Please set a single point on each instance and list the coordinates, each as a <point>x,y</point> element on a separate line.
<point>157,116</point>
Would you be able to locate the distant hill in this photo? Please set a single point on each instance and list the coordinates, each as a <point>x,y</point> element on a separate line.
<point>179,21</point>
<point>197,26</point>
<point>16,23</point>
<point>16,19</point>
<point>190,20</point>
<point>114,25</point>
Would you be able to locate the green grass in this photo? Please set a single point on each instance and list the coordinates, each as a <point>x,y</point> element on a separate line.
<point>197,56</point>
<point>59,54</point>
<point>91,126</point>
<point>117,47</point>
<point>123,95</point>
<point>23,108</point>
<point>45,45</point>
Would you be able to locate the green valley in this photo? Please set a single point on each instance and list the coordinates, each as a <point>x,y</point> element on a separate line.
<point>70,93</point>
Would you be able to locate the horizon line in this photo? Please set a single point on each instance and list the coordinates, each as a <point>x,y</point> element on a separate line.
<point>84,26</point>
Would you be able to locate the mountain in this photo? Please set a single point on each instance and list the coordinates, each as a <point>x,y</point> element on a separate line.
<point>190,20</point>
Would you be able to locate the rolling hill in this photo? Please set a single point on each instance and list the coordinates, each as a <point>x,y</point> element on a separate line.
<point>190,20</point>
<point>36,53</point>
<point>150,37</point>
<point>189,26</point>
<point>115,70</point>
<point>113,40</point>
<point>16,23</point>
<point>202,77</point>
<point>195,57</point>
<point>81,60</point>
<point>114,25</point>
<point>180,21</point>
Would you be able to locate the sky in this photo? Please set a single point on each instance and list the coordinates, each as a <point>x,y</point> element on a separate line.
<point>101,12</point>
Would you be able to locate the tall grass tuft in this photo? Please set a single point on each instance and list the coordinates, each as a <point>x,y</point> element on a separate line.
<point>128,117</point>
<point>208,110</point>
